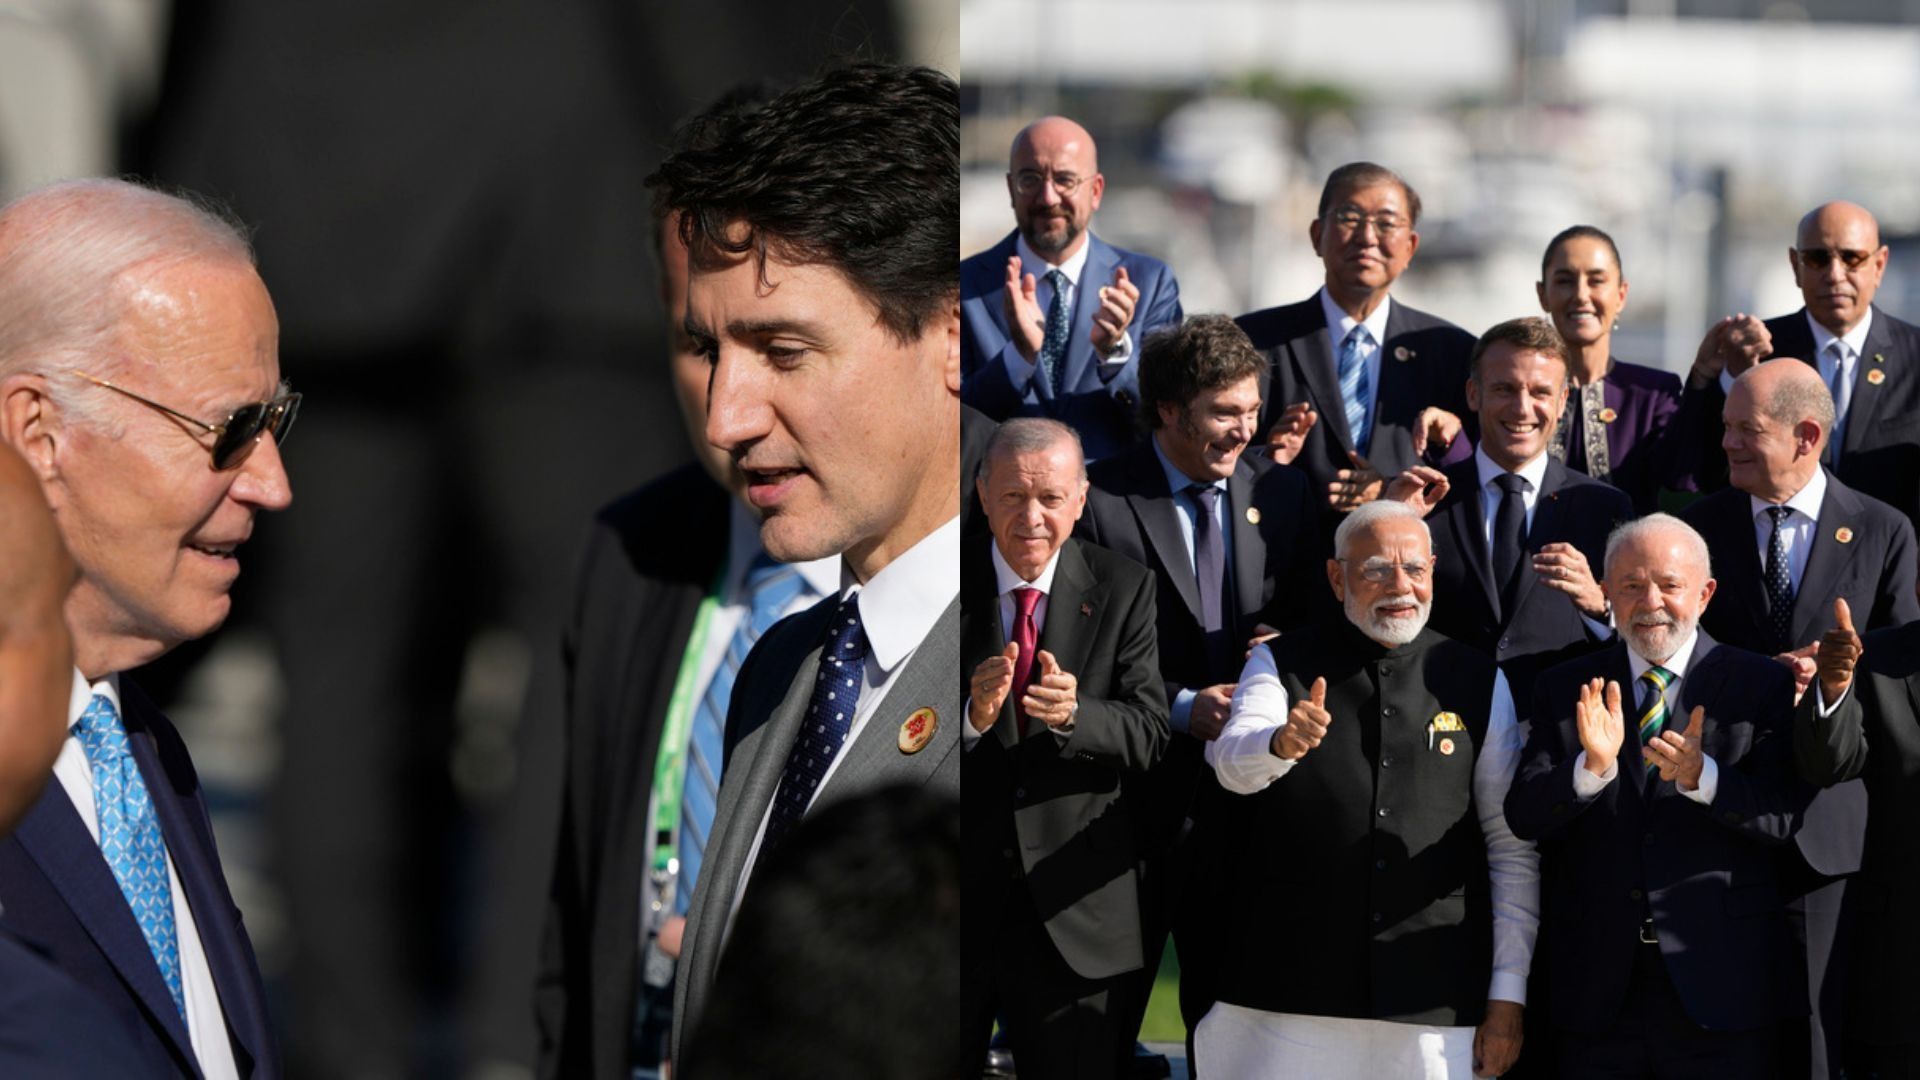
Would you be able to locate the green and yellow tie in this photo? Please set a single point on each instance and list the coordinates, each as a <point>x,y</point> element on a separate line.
<point>1653,716</point>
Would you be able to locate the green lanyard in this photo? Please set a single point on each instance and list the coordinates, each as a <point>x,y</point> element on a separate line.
<point>670,768</point>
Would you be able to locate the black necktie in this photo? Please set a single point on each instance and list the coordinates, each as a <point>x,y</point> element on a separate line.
<point>1209,565</point>
<point>1509,538</point>
<point>1779,582</point>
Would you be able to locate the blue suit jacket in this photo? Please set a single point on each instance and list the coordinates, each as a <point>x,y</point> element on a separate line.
<point>1423,362</point>
<point>58,893</point>
<point>1706,874</point>
<point>1101,410</point>
<point>52,1029</point>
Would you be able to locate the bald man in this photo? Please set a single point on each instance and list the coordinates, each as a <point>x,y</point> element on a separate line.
<point>1869,360</point>
<point>1052,316</point>
<point>1791,538</point>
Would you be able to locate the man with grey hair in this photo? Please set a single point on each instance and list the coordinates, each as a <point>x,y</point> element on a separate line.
<point>1064,699</point>
<point>1371,758</point>
<point>1670,946</point>
<point>1793,538</point>
<point>140,381</point>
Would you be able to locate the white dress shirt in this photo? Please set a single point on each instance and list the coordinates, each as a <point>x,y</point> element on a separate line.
<point>1340,324</point>
<point>1287,1044</point>
<point>1019,368</point>
<point>897,610</point>
<point>206,1023</point>
<point>1796,530</point>
<point>1586,785</point>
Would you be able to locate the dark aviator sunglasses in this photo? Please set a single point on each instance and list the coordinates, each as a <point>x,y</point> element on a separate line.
<point>234,438</point>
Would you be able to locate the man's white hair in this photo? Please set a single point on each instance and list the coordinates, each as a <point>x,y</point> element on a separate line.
<point>73,256</point>
<point>1370,514</point>
<point>1633,530</point>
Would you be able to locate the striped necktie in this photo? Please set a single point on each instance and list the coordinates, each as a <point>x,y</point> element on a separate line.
<point>1353,385</point>
<point>130,838</point>
<point>771,587</point>
<point>1653,715</point>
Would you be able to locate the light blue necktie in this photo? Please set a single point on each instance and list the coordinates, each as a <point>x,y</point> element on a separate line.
<point>1841,388</point>
<point>130,837</point>
<point>1353,385</point>
<point>771,586</point>
<point>1053,348</point>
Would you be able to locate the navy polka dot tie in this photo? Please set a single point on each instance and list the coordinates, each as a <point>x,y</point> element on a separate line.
<point>836,693</point>
<point>1779,583</point>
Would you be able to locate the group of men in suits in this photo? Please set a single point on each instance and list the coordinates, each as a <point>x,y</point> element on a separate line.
<point>1348,398</point>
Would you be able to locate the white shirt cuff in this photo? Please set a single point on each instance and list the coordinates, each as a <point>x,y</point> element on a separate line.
<point>1709,783</point>
<point>1508,986</point>
<point>1585,784</point>
<point>1820,699</point>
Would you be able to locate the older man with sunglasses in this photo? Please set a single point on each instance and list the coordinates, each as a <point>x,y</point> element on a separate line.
<point>140,382</point>
<point>1869,360</point>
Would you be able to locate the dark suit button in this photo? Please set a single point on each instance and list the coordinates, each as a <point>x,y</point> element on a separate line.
<point>1020,793</point>
<point>1386,761</point>
<point>1007,852</point>
<point>1378,918</point>
<point>1647,839</point>
<point>1379,864</point>
<point>1505,644</point>
<point>1383,811</point>
<point>1386,710</point>
<point>1385,670</point>
<point>1634,894</point>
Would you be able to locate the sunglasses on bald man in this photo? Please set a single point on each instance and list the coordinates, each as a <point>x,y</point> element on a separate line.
<point>235,437</point>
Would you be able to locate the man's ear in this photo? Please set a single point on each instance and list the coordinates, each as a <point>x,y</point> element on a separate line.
<point>950,319</point>
<point>30,424</point>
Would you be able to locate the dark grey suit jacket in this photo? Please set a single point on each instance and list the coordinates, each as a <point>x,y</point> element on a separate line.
<point>763,720</point>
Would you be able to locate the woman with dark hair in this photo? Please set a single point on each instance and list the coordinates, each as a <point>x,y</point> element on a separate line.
<point>1619,420</point>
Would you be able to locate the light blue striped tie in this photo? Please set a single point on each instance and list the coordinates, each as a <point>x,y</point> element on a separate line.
<point>130,838</point>
<point>771,586</point>
<point>1353,385</point>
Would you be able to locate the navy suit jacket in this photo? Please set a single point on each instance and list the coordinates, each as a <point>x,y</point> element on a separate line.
<point>1423,362</point>
<point>1103,411</point>
<point>50,1029</point>
<point>1706,874</point>
<point>58,893</point>
<point>1874,570</point>
<point>1879,452</point>
<point>1544,627</point>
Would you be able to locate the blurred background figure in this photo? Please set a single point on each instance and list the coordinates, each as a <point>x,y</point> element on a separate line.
<point>842,964</point>
<point>447,199</point>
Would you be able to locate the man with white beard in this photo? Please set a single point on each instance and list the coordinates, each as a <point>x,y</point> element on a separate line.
<point>1658,779</point>
<point>1370,757</point>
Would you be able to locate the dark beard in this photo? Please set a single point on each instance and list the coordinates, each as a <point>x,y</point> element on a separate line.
<point>1045,246</point>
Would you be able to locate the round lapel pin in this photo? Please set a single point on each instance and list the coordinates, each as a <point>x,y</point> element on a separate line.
<point>1402,353</point>
<point>918,730</point>
<point>1253,515</point>
<point>1446,746</point>
<point>1608,416</point>
<point>1843,534</point>
<point>1876,376</point>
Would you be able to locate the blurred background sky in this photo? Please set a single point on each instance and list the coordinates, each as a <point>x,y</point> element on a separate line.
<point>1696,132</point>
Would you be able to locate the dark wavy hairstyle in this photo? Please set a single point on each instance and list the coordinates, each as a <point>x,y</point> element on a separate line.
<point>1179,362</point>
<point>858,169</point>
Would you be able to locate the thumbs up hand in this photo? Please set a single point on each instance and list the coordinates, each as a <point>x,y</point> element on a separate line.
<point>1306,724</point>
<point>1839,651</point>
<point>992,679</point>
<point>1677,754</point>
<point>1053,697</point>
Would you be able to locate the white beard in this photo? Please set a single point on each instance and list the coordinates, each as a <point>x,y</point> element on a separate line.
<point>1383,629</point>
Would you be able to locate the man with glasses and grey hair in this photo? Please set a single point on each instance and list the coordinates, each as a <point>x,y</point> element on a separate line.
<point>1053,315</point>
<point>1370,757</point>
<point>1658,779</point>
<point>140,381</point>
<point>1359,378</point>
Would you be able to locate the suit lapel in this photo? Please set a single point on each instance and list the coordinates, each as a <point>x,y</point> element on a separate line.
<point>1827,563</point>
<point>1152,503</point>
<point>1864,410</point>
<point>197,864</point>
<point>1249,552</point>
<point>1071,608</point>
<point>1098,271</point>
<point>57,840</point>
<point>1314,362</point>
<point>925,681</point>
<point>1734,546</point>
<point>1469,524</point>
<point>1546,522</point>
